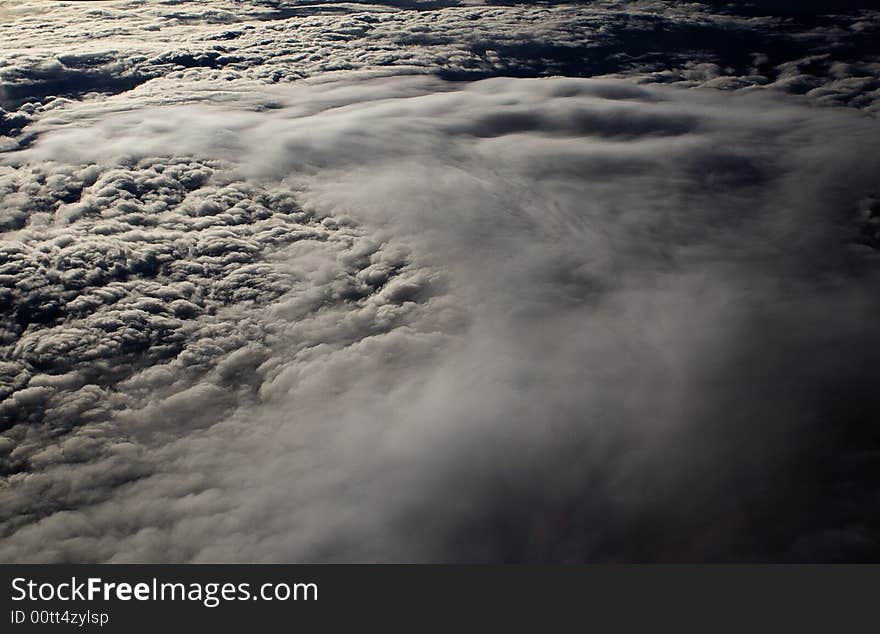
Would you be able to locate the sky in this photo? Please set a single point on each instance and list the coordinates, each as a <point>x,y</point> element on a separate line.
<point>439,281</point>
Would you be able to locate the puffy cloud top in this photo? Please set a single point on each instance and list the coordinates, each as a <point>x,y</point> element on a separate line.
<point>286,281</point>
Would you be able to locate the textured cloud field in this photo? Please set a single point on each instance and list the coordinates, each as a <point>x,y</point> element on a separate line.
<point>289,281</point>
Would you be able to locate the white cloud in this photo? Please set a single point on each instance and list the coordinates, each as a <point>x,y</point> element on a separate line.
<point>408,319</point>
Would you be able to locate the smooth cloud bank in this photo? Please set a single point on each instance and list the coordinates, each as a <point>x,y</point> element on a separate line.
<point>403,319</point>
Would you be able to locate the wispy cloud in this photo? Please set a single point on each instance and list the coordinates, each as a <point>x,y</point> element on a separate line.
<point>413,320</point>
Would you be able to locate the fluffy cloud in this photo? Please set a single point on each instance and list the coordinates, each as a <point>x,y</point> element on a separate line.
<point>407,319</point>
<point>63,51</point>
<point>279,286</point>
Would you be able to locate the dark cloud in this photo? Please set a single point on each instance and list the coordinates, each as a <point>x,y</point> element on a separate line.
<point>272,42</point>
<point>271,302</point>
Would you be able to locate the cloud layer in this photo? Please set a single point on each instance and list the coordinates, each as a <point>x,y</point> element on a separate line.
<point>377,315</point>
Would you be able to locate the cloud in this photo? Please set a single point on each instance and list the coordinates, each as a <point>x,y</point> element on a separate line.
<point>408,319</point>
<point>276,289</point>
<point>127,46</point>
